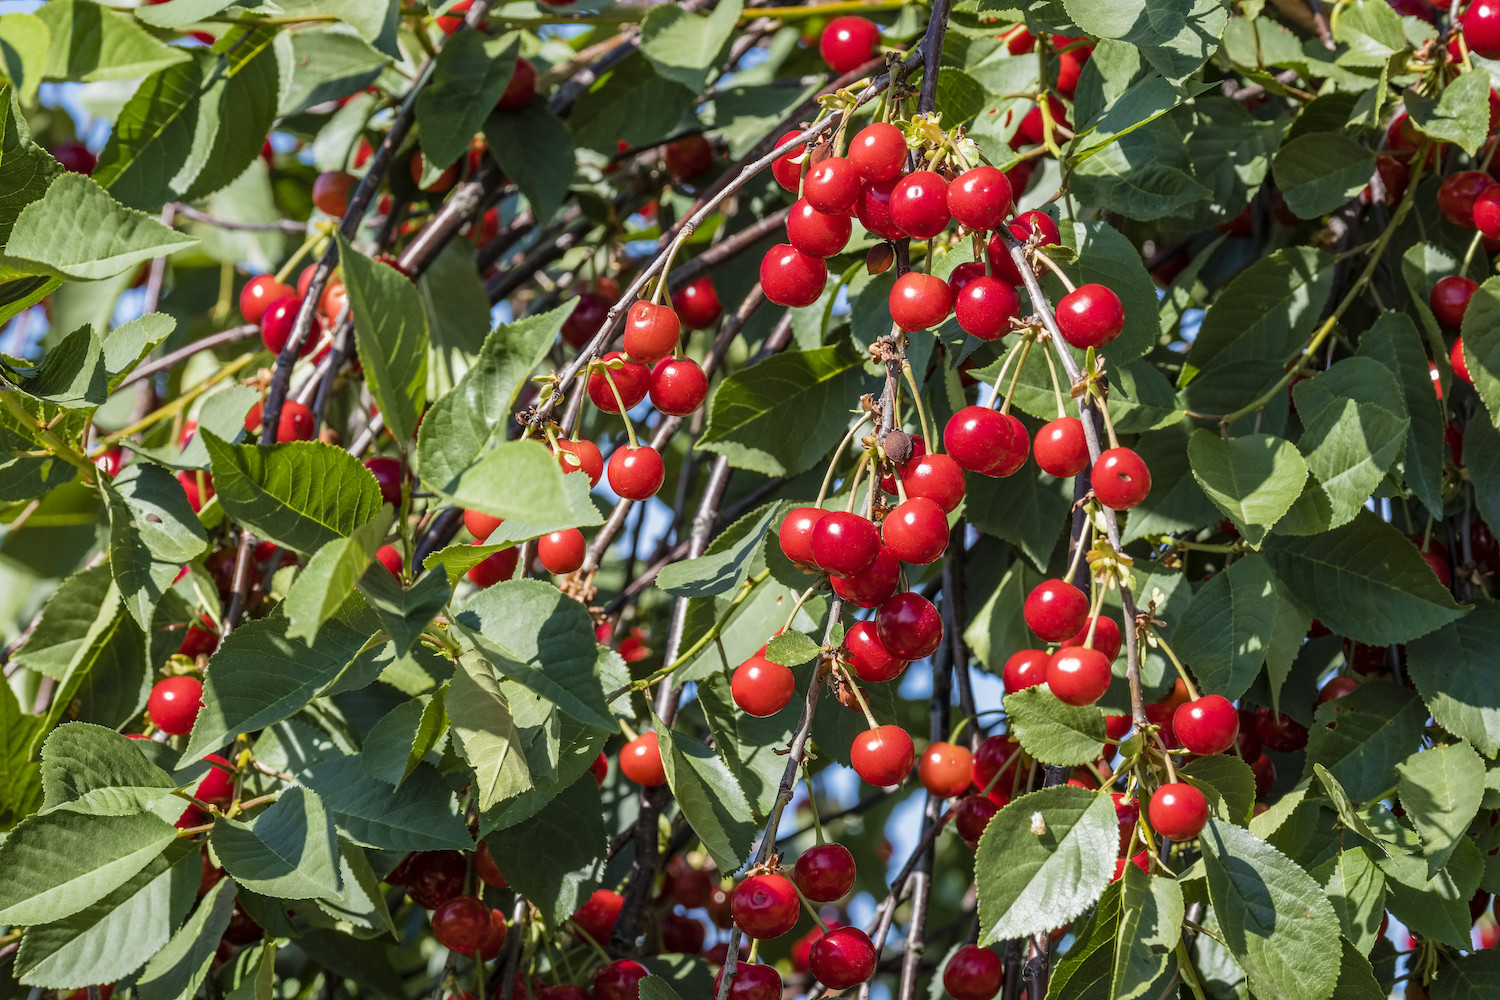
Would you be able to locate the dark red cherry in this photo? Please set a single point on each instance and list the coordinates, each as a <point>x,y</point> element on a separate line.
<point>973,814</point>
<point>765,906</point>
<point>815,233</point>
<point>962,274</point>
<point>681,935</point>
<point>631,381</point>
<point>919,204</point>
<point>752,981</point>
<point>872,662</point>
<point>873,586</point>
<point>792,278</point>
<point>651,331</point>
<point>1456,196</point>
<point>989,760</point>
<point>620,980</point>
<point>1281,733</point>
<point>909,626</point>
<point>689,157</point>
<point>387,473</point>
<point>1121,479</point>
<point>276,325</point>
<point>878,152</point>
<point>597,916</point>
<point>461,924</point>
<point>1486,217</point>
<point>678,386</point>
<point>832,185</point>
<point>1078,675</point>
<point>985,307</point>
<point>825,873</point>
<point>842,959</point>
<point>1450,299</point>
<point>844,543</point>
<point>973,973</point>
<point>1481,24</point>
<point>980,198</point>
<point>883,756</point>
<point>873,210</point>
<point>1060,448</point>
<point>1090,316</point>
<point>1055,609</point>
<point>697,304</point>
<point>636,473</point>
<point>1206,726</point>
<point>586,320</point>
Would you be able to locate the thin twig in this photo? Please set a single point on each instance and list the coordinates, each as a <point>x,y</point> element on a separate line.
<point>169,361</point>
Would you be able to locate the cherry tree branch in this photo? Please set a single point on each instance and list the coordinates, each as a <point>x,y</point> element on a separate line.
<point>169,361</point>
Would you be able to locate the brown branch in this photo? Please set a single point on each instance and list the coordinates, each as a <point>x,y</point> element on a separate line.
<point>168,361</point>
<point>289,226</point>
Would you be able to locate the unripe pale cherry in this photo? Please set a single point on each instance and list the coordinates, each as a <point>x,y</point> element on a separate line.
<point>1090,316</point>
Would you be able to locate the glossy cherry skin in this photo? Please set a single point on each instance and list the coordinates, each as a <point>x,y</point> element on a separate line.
<point>581,456</point>
<point>636,473</point>
<point>1487,211</point>
<point>1456,359</point>
<point>919,301</point>
<point>978,439</point>
<point>597,917</point>
<point>1060,448</point>
<point>1337,687</point>
<point>980,198</point>
<point>815,233</point>
<point>1107,639</point>
<point>825,873</point>
<point>919,204</point>
<point>1457,193</point>
<point>878,152</point>
<point>651,331</point>
<point>1281,733</point>
<point>1055,609</point>
<point>844,543</point>
<point>765,906</point>
<point>1450,300</point>
<point>873,210</point>
<point>752,981</point>
<point>848,43</point>
<point>496,566</point>
<point>521,88</point>
<point>330,192</point>
<point>681,935</point>
<point>874,585</point>
<point>842,959</point>
<point>1078,675</point>
<point>174,704</point>
<point>787,168</point>
<point>1090,316</point>
<point>586,320</point>
<point>795,534</point>
<point>388,476</point>
<point>1481,24</point>
<point>434,877</point>
<point>832,185</point>
<point>792,278</point>
<point>1206,726</point>
<point>916,531</point>
<point>697,304</point>
<point>989,760</point>
<point>972,815</point>
<point>258,293</point>
<point>1121,479</point>
<point>461,924</point>
<point>561,552</point>
<point>962,274</point>
<point>678,386</point>
<point>973,973</point>
<point>1178,811</point>
<point>883,756</point>
<point>985,306</point>
<point>631,380</point>
<point>872,662</point>
<point>937,477</point>
<point>909,626</point>
<point>944,769</point>
<point>1025,668</point>
<point>276,325</point>
<point>640,761</point>
<point>600,769</point>
<point>485,867</point>
<point>390,557</point>
<point>75,157</point>
<point>620,980</point>
<point>689,157</point>
<point>760,687</point>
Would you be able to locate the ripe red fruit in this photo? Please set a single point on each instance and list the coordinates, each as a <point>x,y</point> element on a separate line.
<point>1025,668</point>
<point>263,289</point>
<point>390,557</point>
<point>1481,24</point>
<point>461,924</point>
<point>787,168</point>
<point>651,331</point>
<point>620,980</point>
<point>962,274</point>
<point>909,626</point>
<point>1449,299</point>
<point>480,524</point>
<point>174,704</point>
<point>765,906</point>
<point>631,380</point>
<point>75,156</point>
<point>697,304</point>
<point>1457,193</point>
<point>217,786</point>
<point>937,477</point>
<point>600,769</point>
<point>944,769</point>
<point>873,586</point>
<point>980,198</point>
<point>678,386</point>
<point>832,185</point>
<point>1061,449</point>
<point>985,306</point>
<point>689,157</point>
<point>485,867</point>
<point>795,534</point>
<point>919,301</point>
<point>1121,479</point>
<point>973,814</point>
<point>330,192</point>
<point>597,917</point>
<point>681,935</point>
<point>844,543</point>
<point>1055,609</point>
<point>815,233</point>
<point>760,687</point>
<point>973,973</point>
<point>991,757</point>
<point>441,183</point>
<point>842,959</point>
<point>1206,726</point>
<point>1264,769</point>
<point>561,552</point>
<point>1335,688</point>
<point>495,939</point>
<point>986,441</point>
<point>1107,638</point>
<point>434,877</point>
<point>848,43</point>
<point>581,456</point>
<point>276,325</point>
<point>872,662</point>
<point>883,756</point>
<point>1456,359</point>
<point>1090,316</point>
<point>878,152</point>
<point>636,473</point>
<point>521,88</point>
<point>387,473</point>
<point>586,319</point>
<point>640,761</point>
<point>919,204</point>
<point>916,531</point>
<point>495,567</point>
<point>873,210</point>
<point>1078,675</point>
<point>752,981</point>
<point>1487,211</point>
<point>792,278</point>
<point>296,422</point>
<point>1178,811</point>
<point>1281,733</point>
<point>825,873</point>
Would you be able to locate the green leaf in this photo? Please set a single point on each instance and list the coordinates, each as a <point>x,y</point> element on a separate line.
<point>288,850</point>
<point>71,375</point>
<point>959,96</point>
<point>93,770</point>
<point>238,109</point>
<point>154,137</point>
<point>331,576</point>
<point>404,613</point>
<point>657,988</point>
<point>152,533</point>
<point>20,778</point>
<point>1319,171</point>
<point>1472,977</point>
<point>1027,509</point>
<point>1354,428</point>
<point>362,903</point>
<point>1435,907</point>
<point>1460,115</point>
<point>1276,921</point>
<point>682,46</point>
<point>176,972</point>
<point>69,615</point>
<point>61,862</point>
<point>24,42</point>
<point>1356,888</point>
<point>1227,782</point>
<point>638,107</point>
<point>1052,732</point>
<point>792,649</point>
<point>721,571</point>
<point>90,42</point>
<point>482,722</point>
<point>710,798</point>
<point>1043,860</point>
<point>535,149</point>
<point>76,230</point>
<point>1390,839</point>
<point>1481,338</point>
<point>390,330</point>
<point>129,343</point>
<point>327,64</point>
<point>1440,790</point>
<point>26,169</point>
<point>468,77</point>
<point>300,495</point>
<point>781,415</point>
<point>1375,727</point>
<point>1364,580</point>
<point>1151,914</point>
<point>1373,34</point>
<point>1086,969</point>
<point>1395,342</point>
<point>178,13</point>
<point>1453,669</point>
<point>1225,633</point>
<point>1253,479</point>
<point>404,737</point>
<point>419,816</point>
<point>1177,38</point>
<point>560,879</point>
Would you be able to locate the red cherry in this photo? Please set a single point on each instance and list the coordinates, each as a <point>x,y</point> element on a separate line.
<point>844,543</point>
<point>495,567</point>
<point>1078,675</point>
<point>878,152</point>
<point>631,380</point>
<point>1030,131</point>
<point>883,756</point>
<point>640,761</point>
<point>832,185</point>
<point>1457,193</point>
<point>787,168</point>
<point>765,906</point>
<point>111,462</point>
<point>790,277</point>
<point>1107,638</point>
<point>1025,668</point>
<point>1206,726</point>
<point>1337,687</point>
<point>636,473</point>
<point>597,917</point>
<point>678,386</point>
<point>1039,225</point>
<point>296,422</point>
<point>962,274</point>
<point>258,293</point>
<point>330,192</point>
<point>874,585</point>
<point>1481,24</point>
<point>985,307</point>
<point>1061,449</point>
<point>848,43</point>
<point>760,687</point>
<point>973,973</point>
<point>825,873</point>
<point>909,626</point>
<point>1116,726</point>
<point>75,157</point>
<point>434,877</point>
<point>1055,609</point>
<point>444,180</point>
<point>842,959</point>
<point>454,19</point>
<point>944,769</point>
<point>989,760</point>
<point>480,524</point>
<point>461,924</point>
<point>916,531</point>
<point>1178,811</point>
<point>174,704</point>
<point>1487,211</point>
<point>620,980</point>
<point>586,320</point>
<point>816,234</point>
<point>689,157</point>
<point>752,981</point>
<point>1264,770</point>
<point>390,557</point>
<point>521,88</point>
<point>980,198</point>
<point>495,939</point>
<point>872,662</point>
<point>276,325</point>
<point>985,441</point>
<point>189,480</point>
<point>1457,360</point>
<point>919,301</point>
<point>1450,299</point>
<point>972,815</point>
<point>485,867</point>
<point>697,304</point>
<point>1281,733</point>
<point>937,477</point>
<point>651,331</point>
<point>795,534</point>
<point>1121,479</point>
<point>1090,316</point>
<point>387,473</point>
<point>600,769</point>
<point>681,935</point>
<point>873,210</point>
<point>217,786</point>
<point>561,552</point>
<point>581,456</point>
<point>919,204</point>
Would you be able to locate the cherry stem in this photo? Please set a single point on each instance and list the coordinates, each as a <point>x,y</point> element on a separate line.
<point>1166,756</point>
<point>812,804</point>
<point>957,730</point>
<point>1053,267</point>
<point>1187,682</point>
<point>1062,411</point>
<point>620,402</point>
<point>1010,356</point>
<point>833,462</point>
<point>806,594</point>
<point>1085,541</point>
<point>683,235</point>
<point>859,697</point>
<point>296,258</point>
<point>811,910</point>
<point>916,400</point>
<point>1095,607</point>
<point>900,482</point>
<point>1015,377</point>
<point>856,479</point>
<point>629,733</point>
